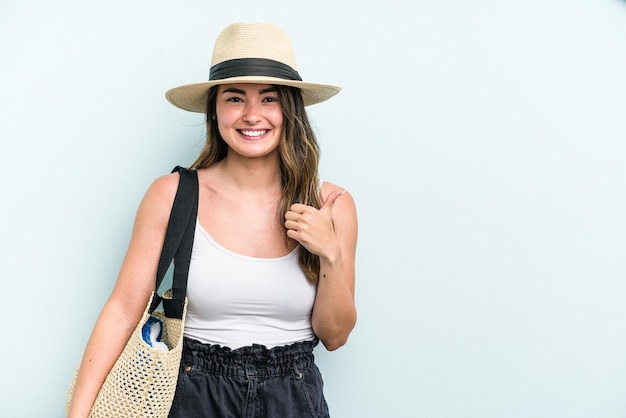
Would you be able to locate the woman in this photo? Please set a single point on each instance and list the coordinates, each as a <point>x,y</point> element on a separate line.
<point>272,269</point>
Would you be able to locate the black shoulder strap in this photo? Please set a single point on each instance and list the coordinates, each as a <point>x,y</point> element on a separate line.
<point>178,243</point>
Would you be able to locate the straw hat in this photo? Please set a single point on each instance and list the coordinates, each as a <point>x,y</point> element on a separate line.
<point>250,53</point>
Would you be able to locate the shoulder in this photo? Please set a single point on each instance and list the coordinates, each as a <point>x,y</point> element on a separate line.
<point>163,189</point>
<point>344,208</point>
<point>159,198</point>
<point>167,183</point>
<point>329,187</point>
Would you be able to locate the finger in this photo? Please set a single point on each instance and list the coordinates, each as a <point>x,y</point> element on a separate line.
<point>292,234</point>
<point>292,216</point>
<point>291,225</point>
<point>298,208</point>
<point>331,198</point>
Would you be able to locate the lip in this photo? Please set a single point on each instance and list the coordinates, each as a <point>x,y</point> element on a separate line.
<point>253,134</point>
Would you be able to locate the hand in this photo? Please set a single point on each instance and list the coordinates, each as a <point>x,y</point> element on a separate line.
<point>314,228</point>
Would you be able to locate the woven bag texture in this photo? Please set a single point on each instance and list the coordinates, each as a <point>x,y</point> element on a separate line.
<point>143,380</point>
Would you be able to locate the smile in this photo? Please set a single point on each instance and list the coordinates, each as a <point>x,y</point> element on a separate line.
<point>253,133</point>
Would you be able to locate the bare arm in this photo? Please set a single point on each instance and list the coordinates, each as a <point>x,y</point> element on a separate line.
<point>331,233</point>
<point>129,297</point>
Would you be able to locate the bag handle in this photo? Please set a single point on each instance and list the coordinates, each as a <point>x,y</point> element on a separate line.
<point>178,243</point>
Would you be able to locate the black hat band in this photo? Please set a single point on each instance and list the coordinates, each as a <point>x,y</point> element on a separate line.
<point>242,67</point>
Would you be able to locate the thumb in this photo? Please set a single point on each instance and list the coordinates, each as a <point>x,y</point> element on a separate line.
<point>331,198</point>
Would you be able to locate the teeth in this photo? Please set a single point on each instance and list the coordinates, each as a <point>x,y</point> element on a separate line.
<point>254,133</point>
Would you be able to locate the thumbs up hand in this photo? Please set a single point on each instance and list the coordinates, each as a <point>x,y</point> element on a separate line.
<point>313,228</point>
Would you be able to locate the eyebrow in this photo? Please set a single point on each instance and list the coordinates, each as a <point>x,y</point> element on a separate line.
<point>242,92</point>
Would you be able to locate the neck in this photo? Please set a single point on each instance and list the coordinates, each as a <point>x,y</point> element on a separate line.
<point>252,174</point>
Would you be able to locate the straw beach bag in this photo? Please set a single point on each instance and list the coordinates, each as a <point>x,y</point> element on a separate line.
<point>143,380</point>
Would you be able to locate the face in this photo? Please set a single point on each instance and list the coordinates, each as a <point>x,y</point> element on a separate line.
<point>249,118</point>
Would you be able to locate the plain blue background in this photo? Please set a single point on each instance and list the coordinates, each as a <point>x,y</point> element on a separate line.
<point>483,141</point>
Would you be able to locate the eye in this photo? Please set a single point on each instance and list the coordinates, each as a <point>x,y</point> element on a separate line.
<point>234,99</point>
<point>271,99</point>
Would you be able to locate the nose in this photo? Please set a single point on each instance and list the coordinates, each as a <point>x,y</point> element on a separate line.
<point>252,113</point>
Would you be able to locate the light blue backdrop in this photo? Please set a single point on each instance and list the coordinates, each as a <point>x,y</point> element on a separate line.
<point>483,141</point>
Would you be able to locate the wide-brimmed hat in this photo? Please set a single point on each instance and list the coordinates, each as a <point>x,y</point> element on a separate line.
<point>250,53</point>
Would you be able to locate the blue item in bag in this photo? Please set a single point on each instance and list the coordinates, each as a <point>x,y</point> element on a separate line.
<point>152,332</point>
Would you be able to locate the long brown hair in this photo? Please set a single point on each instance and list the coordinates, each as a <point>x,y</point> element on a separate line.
<point>298,161</point>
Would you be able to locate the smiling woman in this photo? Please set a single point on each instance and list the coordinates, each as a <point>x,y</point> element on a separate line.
<point>249,118</point>
<point>272,265</point>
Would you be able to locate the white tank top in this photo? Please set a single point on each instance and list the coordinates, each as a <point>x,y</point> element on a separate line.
<point>237,301</point>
